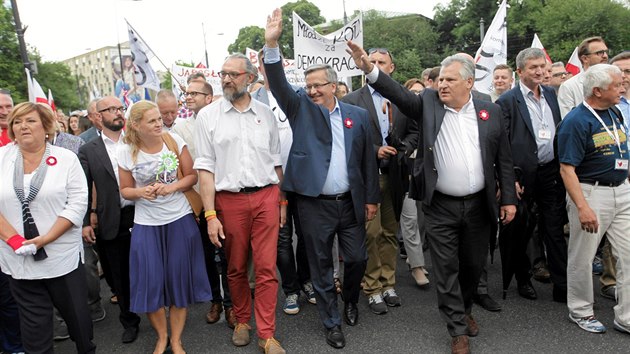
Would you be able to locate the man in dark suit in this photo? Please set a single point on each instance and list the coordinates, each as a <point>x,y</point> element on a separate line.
<point>332,170</point>
<point>463,147</point>
<point>531,113</point>
<point>394,136</point>
<point>114,215</point>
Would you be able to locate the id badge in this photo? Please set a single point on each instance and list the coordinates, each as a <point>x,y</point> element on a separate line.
<point>621,164</point>
<point>544,134</point>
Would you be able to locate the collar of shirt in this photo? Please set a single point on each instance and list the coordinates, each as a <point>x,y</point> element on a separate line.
<point>465,108</point>
<point>107,140</point>
<point>336,109</point>
<point>525,91</point>
<point>226,106</point>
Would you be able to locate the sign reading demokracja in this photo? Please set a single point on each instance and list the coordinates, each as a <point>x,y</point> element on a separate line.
<point>311,47</point>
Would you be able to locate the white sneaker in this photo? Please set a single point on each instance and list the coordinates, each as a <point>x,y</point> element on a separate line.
<point>589,324</point>
<point>291,306</point>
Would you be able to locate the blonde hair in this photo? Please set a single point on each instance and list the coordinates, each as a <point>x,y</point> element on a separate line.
<point>136,113</point>
<point>46,115</point>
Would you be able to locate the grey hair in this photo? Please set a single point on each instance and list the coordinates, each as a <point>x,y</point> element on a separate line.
<point>600,76</point>
<point>468,66</point>
<point>528,54</point>
<point>164,94</point>
<point>557,64</point>
<point>331,74</point>
<point>249,67</point>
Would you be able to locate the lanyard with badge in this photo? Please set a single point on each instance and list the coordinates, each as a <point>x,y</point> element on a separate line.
<point>544,133</point>
<point>620,164</point>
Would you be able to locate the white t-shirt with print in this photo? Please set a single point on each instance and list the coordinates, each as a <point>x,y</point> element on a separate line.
<point>150,168</point>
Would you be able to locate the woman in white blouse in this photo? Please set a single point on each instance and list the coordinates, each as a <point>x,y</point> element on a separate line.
<point>166,260</point>
<point>42,203</point>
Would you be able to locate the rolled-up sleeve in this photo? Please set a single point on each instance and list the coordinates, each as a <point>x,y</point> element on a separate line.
<point>204,132</point>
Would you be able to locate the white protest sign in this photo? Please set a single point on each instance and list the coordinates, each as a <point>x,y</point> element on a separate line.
<point>311,47</point>
<point>294,76</point>
<point>182,73</point>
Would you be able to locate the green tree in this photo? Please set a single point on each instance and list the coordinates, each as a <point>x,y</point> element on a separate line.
<point>560,30</point>
<point>308,11</point>
<point>248,37</point>
<point>57,77</point>
<point>12,75</point>
<point>411,40</point>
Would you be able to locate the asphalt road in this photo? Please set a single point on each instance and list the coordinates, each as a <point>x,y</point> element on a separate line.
<point>523,326</point>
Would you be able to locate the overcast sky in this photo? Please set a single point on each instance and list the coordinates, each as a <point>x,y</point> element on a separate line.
<point>61,29</point>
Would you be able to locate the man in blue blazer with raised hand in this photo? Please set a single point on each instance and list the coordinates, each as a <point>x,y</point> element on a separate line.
<point>332,170</point>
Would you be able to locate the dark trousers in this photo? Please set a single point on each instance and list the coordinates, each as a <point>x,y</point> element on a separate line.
<point>107,272</point>
<point>36,298</point>
<point>320,220</point>
<point>217,275</point>
<point>116,252</point>
<point>550,196</point>
<point>458,232</point>
<point>292,278</point>
<point>10,340</point>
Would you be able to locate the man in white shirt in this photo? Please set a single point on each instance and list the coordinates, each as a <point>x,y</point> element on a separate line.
<point>592,51</point>
<point>113,214</point>
<point>238,159</point>
<point>167,105</point>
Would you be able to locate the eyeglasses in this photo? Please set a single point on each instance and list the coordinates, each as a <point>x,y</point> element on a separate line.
<point>316,86</point>
<point>232,75</point>
<point>380,50</point>
<point>560,74</point>
<point>113,110</point>
<point>194,94</point>
<point>599,52</point>
<point>625,72</point>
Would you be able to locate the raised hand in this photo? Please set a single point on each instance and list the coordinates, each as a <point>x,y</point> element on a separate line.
<point>360,57</point>
<point>274,28</point>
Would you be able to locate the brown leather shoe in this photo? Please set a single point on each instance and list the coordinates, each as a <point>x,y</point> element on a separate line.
<point>215,313</point>
<point>472,328</point>
<point>230,317</point>
<point>271,346</point>
<point>240,337</point>
<point>459,345</point>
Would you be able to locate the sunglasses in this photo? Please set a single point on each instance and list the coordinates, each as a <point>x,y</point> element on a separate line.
<point>381,51</point>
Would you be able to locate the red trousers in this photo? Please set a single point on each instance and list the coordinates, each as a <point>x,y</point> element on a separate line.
<point>252,220</point>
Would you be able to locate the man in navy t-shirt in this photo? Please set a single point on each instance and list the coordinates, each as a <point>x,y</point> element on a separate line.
<point>594,166</point>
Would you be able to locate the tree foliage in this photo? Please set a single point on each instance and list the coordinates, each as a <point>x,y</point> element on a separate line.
<point>308,11</point>
<point>248,37</point>
<point>12,75</point>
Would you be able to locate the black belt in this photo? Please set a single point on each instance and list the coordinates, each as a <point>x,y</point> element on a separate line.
<point>249,190</point>
<point>553,162</point>
<point>341,196</point>
<point>465,197</point>
<point>593,182</point>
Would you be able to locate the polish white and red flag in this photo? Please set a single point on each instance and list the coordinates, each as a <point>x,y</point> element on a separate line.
<point>51,101</point>
<point>35,92</point>
<point>574,65</point>
<point>536,43</point>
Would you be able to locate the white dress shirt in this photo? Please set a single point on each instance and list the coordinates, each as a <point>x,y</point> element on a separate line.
<point>63,194</point>
<point>458,153</point>
<point>112,148</point>
<point>242,149</point>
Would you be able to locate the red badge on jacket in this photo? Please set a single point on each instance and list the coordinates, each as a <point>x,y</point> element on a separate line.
<point>51,161</point>
<point>347,123</point>
<point>484,115</point>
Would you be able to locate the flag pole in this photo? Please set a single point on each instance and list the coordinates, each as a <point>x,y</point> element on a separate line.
<point>154,53</point>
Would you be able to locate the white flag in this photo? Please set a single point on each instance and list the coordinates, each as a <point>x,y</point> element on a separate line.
<point>574,65</point>
<point>35,92</point>
<point>493,50</point>
<point>311,47</point>
<point>536,43</point>
<point>145,76</point>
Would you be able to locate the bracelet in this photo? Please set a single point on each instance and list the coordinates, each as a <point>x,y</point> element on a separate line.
<point>210,217</point>
<point>208,213</point>
<point>15,241</point>
<point>283,202</point>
